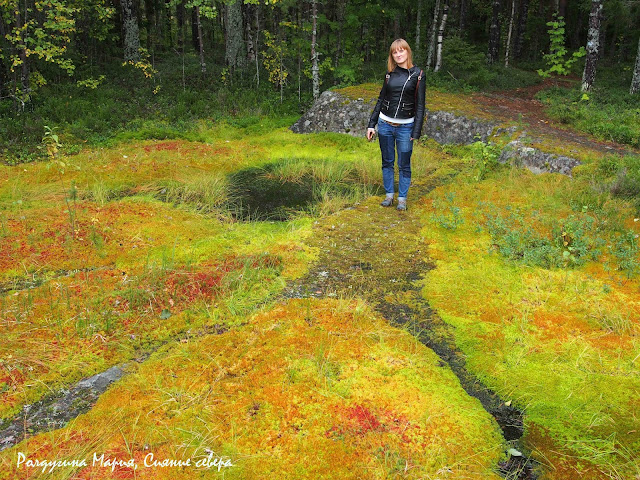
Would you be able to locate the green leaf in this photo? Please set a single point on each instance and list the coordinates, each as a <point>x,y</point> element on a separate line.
<point>165,314</point>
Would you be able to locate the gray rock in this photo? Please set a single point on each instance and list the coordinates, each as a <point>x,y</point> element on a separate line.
<point>447,128</point>
<point>56,411</point>
<point>520,155</point>
<point>333,112</point>
<point>328,114</point>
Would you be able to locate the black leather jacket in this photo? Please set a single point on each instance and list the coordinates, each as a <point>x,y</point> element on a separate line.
<point>399,98</point>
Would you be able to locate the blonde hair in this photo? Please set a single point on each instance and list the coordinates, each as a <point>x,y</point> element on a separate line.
<point>399,44</point>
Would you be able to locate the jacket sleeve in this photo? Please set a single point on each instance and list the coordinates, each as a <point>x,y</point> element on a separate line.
<point>373,120</point>
<point>420,100</point>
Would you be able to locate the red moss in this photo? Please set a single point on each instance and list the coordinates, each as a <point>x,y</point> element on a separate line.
<point>355,420</point>
<point>163,146</point>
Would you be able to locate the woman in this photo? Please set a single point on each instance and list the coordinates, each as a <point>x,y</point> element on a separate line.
<point>399,114</point>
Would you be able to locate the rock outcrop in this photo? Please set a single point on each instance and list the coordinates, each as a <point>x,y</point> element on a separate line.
<point>447,128</point>
<point>334,112</point>
<point>537,161</point>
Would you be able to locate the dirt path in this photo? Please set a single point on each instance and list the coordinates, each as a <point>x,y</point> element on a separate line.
<point>520,105</point>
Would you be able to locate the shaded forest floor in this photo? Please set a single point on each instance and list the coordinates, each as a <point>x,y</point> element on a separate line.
<point>521,106</point>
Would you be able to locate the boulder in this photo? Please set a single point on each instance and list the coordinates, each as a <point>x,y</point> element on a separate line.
<point>333,112</point>
<point>448,128</point>
<point>537,161</point>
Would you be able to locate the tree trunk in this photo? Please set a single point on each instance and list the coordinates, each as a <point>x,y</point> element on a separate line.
<point>464,14</point>
<point>22,54</point>
<point>257,13</point>
<point>148,22</point>
<point>593,45</point>
<point>234,56</point>
<point>194,30</point>
<point>340,6</point>
<point>508,48</point>
<point>180,14</point>
<point>203,66</point>
<point>131,32</point>
<point>432,35</point>
<point>494,33</point>
<point>635,82</point>
<point>314,54</point>
<point>3,69</point>
<point>367,45</point>
<point>522,29</point>
<point>157,21</point>
<point>418,26</point>
<point>248,21</point>
<point>562,8</point>
<point>440,37</point>
<point>168,24</point>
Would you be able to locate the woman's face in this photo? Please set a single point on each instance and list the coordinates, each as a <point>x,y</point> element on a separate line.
<point>400,56</point>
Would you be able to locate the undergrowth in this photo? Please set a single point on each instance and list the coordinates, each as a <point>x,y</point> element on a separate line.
<point>608,112</point>
<point>539,281</point>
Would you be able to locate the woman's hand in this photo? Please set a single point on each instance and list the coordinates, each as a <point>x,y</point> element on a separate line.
<point>370,133</point>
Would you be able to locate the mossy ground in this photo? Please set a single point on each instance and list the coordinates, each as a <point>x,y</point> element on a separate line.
<point>146,254</point>
<point>136,249</point>
<point>306,389</point>
<point>559,340</point>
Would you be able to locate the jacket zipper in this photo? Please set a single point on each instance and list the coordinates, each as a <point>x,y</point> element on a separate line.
<point>401,93</point>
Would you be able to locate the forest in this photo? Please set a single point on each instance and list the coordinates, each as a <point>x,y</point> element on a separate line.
<point>279,54</point>
<point>192,288</point>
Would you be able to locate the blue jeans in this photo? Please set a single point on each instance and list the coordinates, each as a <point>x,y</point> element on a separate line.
<point>391,137</point>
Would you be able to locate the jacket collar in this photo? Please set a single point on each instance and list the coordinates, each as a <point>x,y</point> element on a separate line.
<point>410,70</point>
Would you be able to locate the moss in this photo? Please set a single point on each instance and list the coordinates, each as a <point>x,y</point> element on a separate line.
<point>542,338</point>
<point>359,406</point>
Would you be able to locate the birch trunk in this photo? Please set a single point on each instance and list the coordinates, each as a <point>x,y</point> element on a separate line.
<point>440,37</point>
<point>494,33</point>
<point>314,54</point>
<point>593,46</point>
<point>432,35</point>
<point>251,46</point>
<point>635,82</point>
<point>131,32</point>
<point>508,48</point>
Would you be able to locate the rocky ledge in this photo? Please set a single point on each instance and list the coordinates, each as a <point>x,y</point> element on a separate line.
<point>334,112</point>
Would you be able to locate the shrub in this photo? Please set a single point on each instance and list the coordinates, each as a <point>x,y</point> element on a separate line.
<point>570,242</point>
